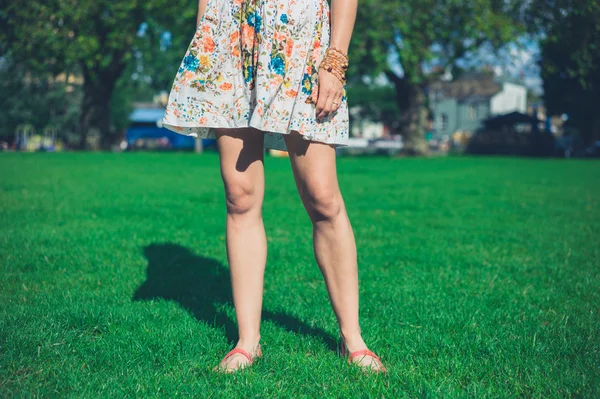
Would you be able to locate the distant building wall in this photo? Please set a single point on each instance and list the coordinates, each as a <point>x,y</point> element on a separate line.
<point>372,130</point>
<point>446,116</point>
<point>360,127</point>
<point>471,114</point>
<point>512,98</point>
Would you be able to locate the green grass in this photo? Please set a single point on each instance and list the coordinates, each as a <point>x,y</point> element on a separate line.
<point>478,278</point>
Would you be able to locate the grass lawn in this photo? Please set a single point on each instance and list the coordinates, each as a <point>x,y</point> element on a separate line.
<point>479,277</point>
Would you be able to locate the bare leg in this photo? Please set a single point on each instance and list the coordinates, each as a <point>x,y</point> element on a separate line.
<point>242,170</point>
<point>314,167</point>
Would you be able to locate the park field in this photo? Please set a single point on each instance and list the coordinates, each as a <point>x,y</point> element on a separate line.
<point>479,277</point>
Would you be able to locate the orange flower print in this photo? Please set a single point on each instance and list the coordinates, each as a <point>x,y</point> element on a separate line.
<point>203,120</point>
<point>291,93</point>
<point>289,46</point>
<point>187,76</point>
<point>206,29</point>
<point>279,37</point>
<point>234,36</point>
<point>247,35</point>
<point>209,44</point>
<point>226,86</point>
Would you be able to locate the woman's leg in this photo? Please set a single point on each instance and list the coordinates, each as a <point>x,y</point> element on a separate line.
<point>242,170</point>
<point>314,167</point>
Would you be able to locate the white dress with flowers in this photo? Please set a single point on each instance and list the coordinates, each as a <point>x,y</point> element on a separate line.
<point>254,63</point>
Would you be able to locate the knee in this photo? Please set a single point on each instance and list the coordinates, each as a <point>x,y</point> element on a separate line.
<point>323,203</point>
<point>241,198</point>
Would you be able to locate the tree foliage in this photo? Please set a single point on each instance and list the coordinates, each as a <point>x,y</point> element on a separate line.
<point>37,99</point>
<point>96,39</point>
<point>570,61</point>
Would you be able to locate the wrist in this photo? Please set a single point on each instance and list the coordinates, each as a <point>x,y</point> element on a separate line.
<point>335,62</point>
<point>341,48</point>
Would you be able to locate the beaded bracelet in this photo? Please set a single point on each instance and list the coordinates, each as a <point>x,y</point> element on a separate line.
<point>335,62</point>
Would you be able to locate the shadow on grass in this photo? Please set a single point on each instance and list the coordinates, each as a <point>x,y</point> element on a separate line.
<point>202,285</point>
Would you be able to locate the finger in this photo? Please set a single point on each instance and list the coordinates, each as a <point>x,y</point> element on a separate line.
<point>315,94</point>
<point>333,103</point>
<point>328,104</point>
<point>322,103</point>
<point>318,101</point>
<point>337,102</point>
<point>329,107</point>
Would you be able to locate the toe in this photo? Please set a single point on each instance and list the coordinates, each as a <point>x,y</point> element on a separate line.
<point>233,363</point>
<point>369,363</point>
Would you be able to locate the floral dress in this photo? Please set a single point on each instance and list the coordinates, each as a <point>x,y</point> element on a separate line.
<point>254,63</point>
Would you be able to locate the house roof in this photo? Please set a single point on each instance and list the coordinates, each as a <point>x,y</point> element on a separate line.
<point>474,98</point>
<point>471,87</point>
<point>510,119</point>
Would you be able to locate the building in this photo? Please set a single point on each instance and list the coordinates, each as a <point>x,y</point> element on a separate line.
<point>364,128</point>
<point>463,104</point>
<point>146,131</point>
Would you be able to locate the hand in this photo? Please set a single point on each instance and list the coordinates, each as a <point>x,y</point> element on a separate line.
<point>327,94</point>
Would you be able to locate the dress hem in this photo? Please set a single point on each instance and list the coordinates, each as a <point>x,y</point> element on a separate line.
<point>278,144</point>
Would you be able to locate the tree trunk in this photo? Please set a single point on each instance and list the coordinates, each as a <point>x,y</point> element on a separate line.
<point>410,99</point>
<point>416,118</point>
<point>98,88</point>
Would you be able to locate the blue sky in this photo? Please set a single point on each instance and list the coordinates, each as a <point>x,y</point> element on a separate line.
<point>517,60</point>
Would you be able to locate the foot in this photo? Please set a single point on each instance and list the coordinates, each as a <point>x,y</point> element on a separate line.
<point>367,362</point>
<point>238,361</point>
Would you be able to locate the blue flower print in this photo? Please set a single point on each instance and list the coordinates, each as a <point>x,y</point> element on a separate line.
<point>191,63</point>
<point>306,84</point>
<point>255,21</point>
<point>248,73</point>
<point>278,64</point>
<point>284,18</point>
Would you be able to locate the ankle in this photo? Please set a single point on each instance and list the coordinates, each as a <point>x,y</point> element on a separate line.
<point>249,342</point>
<point>353,339</point>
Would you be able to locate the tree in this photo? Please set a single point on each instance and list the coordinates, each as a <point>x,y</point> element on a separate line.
<point>416,33</point>
<point>96,39</point>
<point>40,100</point>
<point>570,60</point>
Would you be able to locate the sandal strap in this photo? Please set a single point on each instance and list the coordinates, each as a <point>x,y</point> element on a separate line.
<point>238,350</point>
<point>363,352</point>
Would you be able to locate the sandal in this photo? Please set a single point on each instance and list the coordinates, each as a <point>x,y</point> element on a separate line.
<point>362,352</point>
<point>232,352</point>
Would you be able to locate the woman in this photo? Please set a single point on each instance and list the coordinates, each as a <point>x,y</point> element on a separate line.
<point>271,74</point>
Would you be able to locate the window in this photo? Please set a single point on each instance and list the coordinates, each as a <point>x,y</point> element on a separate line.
<point>472,112</point>
<point>443,122</point>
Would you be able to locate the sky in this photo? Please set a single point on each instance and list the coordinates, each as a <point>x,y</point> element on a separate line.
<point>518,60</point>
